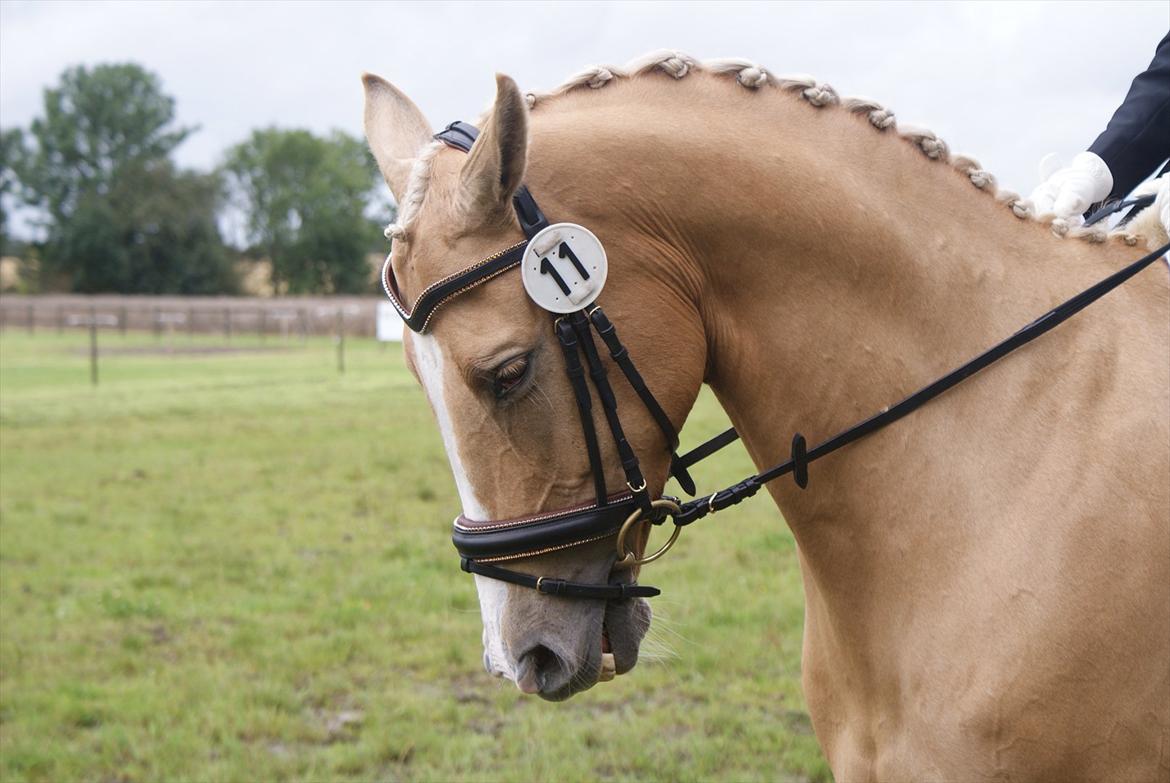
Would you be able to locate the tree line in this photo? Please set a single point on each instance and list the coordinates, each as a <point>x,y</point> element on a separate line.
<point>115,213</point>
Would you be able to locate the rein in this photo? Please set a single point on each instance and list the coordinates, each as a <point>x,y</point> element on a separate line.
<point>481,544</point>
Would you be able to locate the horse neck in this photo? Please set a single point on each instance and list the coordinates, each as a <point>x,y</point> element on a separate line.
<point>834,269</point>
<point>862,294</point>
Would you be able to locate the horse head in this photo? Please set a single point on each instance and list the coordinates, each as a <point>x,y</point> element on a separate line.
<point>494,374</point>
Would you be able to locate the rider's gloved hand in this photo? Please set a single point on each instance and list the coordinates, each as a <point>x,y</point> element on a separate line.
<point>1153,223</point>
<point>1067,191</point>
<point>1162,202</point>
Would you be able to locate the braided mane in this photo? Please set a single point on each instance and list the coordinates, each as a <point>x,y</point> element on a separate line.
<point>751,76</point>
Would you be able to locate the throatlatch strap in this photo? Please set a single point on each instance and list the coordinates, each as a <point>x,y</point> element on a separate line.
<point>561,587</point>
<point>576,373</point>
<point>707,448</point>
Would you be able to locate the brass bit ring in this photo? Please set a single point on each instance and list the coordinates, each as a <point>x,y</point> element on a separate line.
<point>627,559</point>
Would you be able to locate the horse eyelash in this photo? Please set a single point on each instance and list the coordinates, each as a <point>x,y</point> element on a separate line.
<point>514,371</point>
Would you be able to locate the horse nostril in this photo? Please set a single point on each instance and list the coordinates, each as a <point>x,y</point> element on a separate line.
<point>539,670</point>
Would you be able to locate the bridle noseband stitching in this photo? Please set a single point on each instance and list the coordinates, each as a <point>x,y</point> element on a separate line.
<point>545,551</point>
<point>481,544</point>
<point>536,518</point>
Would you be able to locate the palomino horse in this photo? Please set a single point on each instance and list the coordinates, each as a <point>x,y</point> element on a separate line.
<point>987,581</point>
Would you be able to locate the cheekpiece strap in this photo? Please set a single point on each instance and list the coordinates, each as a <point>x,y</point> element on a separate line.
<point>621,357</point>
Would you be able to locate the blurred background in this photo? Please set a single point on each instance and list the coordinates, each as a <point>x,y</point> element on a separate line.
<point>223,502</point>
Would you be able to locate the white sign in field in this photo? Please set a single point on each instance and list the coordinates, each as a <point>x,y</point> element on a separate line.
<point>390,323</point>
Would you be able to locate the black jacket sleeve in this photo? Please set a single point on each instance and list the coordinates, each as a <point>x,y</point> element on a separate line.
<point>1137,139</point>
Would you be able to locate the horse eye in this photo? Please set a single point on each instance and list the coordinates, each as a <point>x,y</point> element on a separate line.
<point>510,375</point>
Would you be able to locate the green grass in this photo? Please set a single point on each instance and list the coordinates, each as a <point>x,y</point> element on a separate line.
<point>236,567</point>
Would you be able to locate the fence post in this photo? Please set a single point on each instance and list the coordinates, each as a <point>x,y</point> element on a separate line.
<point>93,347</point>
<point>227,323</point>
<point>262,323</point>
<point>340,341</point>
<point>123,317</point>
<point>60,319</point>
<point>32,319</point>
<point>190,321</point>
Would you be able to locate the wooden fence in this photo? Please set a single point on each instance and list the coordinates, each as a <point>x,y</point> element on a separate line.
<point>170,315</point>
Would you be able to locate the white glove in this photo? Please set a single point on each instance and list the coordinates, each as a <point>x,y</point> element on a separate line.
<point>1069,190</point>
<point>1153,222</point>
<point>1162,202</point>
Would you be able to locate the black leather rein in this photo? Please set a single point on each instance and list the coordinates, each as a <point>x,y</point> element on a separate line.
<point>482,544</point>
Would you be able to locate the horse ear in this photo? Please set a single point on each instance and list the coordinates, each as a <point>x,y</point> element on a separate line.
<point>395,129</point>
<point>495,165</point>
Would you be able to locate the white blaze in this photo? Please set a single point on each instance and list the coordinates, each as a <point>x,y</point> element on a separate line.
<point>428,361</point>
<point>492,595</point>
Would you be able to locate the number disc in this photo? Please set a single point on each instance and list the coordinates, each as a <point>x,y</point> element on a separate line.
<point>564,268</point>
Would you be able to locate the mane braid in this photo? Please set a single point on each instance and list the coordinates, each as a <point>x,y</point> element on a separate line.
<point>752,76</point>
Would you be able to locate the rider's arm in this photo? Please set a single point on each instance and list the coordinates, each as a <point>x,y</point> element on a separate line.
<point>1137,138</point>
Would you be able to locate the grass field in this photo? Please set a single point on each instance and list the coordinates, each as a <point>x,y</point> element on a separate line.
<point>237,567</point>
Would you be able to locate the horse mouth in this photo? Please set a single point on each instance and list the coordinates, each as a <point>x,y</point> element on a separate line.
<point>623,628</point>
<point>608,666</point>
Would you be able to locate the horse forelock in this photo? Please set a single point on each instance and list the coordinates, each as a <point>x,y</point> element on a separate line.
<point>416,190</point>
<point>753,76</point>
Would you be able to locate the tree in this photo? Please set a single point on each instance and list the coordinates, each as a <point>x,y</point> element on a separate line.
<point>11,152</point>
<point>119,216</point>
<point>96,122</point>
<point>167,242</point>
<point>304,198</point>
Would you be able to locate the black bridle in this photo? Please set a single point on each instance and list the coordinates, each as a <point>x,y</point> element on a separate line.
<point>481,544</point>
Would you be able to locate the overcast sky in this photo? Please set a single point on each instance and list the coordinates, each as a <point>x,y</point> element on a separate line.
<point>1005,83</point>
